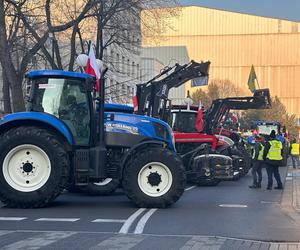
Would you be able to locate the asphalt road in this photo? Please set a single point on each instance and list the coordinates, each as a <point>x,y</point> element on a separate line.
<point>76,221</point>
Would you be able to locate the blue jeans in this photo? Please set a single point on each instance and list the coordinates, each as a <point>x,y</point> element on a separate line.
<point>295,160</point>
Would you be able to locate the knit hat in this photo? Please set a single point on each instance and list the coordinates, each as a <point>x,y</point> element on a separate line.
<point>273,134</point>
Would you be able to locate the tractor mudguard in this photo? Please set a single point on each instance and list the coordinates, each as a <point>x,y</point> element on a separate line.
<point>35,119</point>
<point>136,148</point>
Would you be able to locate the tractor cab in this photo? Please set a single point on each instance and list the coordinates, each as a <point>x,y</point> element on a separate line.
<point>65,95</point>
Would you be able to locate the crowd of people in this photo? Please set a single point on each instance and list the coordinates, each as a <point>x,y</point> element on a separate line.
<point>268,152</point>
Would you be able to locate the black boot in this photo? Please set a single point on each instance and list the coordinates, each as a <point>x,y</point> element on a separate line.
<point>253,186</point>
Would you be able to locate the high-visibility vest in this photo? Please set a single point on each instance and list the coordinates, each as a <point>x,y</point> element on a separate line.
<point>295,149</point>
<point>260,153</point>
<point>274,153</point>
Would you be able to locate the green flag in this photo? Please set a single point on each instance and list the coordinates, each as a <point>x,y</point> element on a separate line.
<point>251,80</point>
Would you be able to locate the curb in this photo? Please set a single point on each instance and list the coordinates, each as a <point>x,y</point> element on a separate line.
<point>296,188</point>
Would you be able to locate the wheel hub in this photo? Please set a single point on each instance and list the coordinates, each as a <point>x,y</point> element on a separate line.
<point>27,167</point>
<point>154,179</point>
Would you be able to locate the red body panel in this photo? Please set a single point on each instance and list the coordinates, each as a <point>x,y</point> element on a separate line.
<point>195,137</point>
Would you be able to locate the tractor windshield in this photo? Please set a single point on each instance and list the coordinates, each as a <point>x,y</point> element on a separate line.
<point>184,121</point>
<point>67,99</point>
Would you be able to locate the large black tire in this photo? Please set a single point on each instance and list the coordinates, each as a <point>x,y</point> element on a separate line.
<point>140,184</point>
<point>209,183</point>
<point>28,145</point>
<point>102,188</point>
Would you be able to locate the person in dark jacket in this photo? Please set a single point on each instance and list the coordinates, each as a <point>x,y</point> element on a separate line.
<point>273,157</point>
<point>257,162</point>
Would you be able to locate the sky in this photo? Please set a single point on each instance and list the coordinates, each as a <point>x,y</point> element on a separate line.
<point>282,9</point>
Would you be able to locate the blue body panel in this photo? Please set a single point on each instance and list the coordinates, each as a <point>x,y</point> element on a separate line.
<point>137,124</point>
<point>114,107</point>
<point>56,73</point>
<point>42,117</point>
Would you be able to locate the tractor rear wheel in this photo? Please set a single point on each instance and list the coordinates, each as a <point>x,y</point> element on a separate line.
<point>34,167</point>
<point>154,177</point>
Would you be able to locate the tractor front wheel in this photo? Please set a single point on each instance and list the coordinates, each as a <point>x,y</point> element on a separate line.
<point>154,177</point>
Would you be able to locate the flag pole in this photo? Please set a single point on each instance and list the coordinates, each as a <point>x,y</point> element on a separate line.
<point>257,83</point>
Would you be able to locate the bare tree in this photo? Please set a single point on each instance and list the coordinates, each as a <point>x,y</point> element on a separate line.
<point>46,32</point>
<point>217,88</point>
<point>37,26</point>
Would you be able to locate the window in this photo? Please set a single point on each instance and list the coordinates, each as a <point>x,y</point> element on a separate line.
<point>128,67</point>
<point>118,62</point>
<point>133,70</point>
<point>123,65</point>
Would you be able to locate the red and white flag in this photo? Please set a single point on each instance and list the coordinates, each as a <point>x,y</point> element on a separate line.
<point>134,100</point>
<point>199,119</point>
<point>92,67</point>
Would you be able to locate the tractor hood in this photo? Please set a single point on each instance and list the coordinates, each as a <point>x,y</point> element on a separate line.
<point>140,125</point>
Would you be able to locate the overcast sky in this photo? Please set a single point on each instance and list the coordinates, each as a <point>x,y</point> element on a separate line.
<point>283,9</point>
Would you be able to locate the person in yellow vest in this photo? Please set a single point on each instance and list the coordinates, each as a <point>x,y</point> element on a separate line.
<point>294,152</point>
<point>273,158</point>
<point>257,162</point>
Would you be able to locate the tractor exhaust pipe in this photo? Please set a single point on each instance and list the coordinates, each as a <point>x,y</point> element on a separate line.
<point>99,152</point>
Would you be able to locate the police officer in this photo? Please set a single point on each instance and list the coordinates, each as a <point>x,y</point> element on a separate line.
<point>257,162</point>
<point>294,152</point>
<point>272,157</point>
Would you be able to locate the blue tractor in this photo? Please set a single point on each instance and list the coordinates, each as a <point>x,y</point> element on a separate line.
<point>65,138</point>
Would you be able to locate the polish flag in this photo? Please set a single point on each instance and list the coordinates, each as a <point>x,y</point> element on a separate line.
<point>92,68</point>
<point>199,119</point>
<point>135,101</point>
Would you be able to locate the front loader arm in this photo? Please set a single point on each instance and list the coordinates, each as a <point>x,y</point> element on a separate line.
<point>153,95</point>
<point>220,107</point>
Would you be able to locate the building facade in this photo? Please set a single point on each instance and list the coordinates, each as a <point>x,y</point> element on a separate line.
<point>233,42</point>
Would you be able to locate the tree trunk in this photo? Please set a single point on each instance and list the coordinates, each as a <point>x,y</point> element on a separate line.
<point>6,94</point>
<point>8,67</point>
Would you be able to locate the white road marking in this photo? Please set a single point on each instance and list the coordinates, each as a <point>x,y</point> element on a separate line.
<point>189,188</point>
<point>109,220</point>
<point>13,218</point>
<point>37,242</point>
<point>269,202</point>
<point>289,178</point>
<point>233,205</point>
<point>58,219</point>
<point>142,222</point>
<point>4,232</point>
<point>126,226</point>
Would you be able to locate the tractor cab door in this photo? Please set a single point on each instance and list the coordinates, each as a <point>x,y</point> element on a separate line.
<point>66,98</point>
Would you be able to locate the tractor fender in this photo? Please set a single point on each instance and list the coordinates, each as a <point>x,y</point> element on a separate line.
<point>36,119</point>
<point>137,147</point>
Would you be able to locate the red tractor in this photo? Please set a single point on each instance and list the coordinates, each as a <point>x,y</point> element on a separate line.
<point>222,140</point>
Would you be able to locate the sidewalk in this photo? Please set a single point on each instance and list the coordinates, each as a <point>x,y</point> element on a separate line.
<point>291,194</point>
